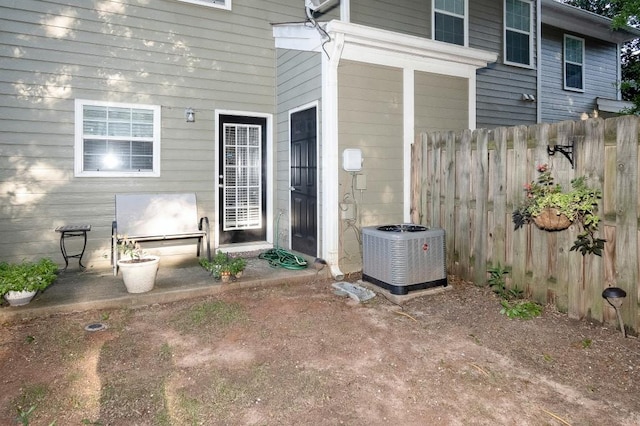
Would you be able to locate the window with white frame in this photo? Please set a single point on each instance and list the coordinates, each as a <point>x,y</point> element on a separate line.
<point>221,4</point>
<point>573,63</point>
<point>450,21</point>
<point>116,139</point>
<point>518,40</point>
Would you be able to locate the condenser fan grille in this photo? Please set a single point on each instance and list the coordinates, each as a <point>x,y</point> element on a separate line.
<point>402,228</point>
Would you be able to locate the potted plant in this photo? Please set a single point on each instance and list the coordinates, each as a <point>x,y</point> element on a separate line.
<point>225,272</point>
<point>139,269</point>
<point>19,282</point>
<point>224,267</point>
<point>237,266</point>
<point>551,208</point>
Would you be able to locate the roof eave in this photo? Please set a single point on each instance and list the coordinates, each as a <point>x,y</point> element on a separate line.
<point>583,22</point>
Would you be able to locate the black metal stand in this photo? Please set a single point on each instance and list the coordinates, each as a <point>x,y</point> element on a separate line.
<point>69,231</point>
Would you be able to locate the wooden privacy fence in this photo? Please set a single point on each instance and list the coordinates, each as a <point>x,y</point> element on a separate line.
<point>469,183</point>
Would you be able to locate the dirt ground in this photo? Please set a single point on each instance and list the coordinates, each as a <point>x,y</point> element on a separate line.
<point>302,355</point>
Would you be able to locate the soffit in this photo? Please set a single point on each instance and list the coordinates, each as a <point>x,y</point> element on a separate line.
<point>579,21</point>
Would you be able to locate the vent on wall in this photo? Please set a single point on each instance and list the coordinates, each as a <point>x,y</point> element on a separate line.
<point>402,258</point>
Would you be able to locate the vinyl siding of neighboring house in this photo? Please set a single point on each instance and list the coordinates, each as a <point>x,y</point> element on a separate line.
<point>371,118</point>
<point>499,86</point>
<point>299,84</point>
<point>558,104</point>
<point>166,53</point>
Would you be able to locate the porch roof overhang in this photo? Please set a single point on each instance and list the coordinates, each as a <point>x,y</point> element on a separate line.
<point>612,105</point>
<point>580,21</point>
<point>360,42</point>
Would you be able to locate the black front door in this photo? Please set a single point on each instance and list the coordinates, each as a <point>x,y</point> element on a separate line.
<point>242,179</point>
<point>303,182</point>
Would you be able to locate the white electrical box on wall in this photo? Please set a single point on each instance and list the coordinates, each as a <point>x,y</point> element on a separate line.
<point>352,160</point>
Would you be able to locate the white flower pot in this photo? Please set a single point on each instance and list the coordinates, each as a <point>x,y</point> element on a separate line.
<point>19,298</point>
<point>139,275</point>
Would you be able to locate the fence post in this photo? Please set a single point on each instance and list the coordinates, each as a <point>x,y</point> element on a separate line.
<point>481,194</point>
<point>627,215</point>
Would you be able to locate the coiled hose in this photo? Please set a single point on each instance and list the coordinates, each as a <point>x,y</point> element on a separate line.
<point>279,258</point>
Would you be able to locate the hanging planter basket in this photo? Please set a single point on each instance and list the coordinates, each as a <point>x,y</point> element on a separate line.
<point>551,220</point>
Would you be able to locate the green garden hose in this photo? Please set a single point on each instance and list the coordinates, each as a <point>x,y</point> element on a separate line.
<point>279,258</point>
<point>282,258</point>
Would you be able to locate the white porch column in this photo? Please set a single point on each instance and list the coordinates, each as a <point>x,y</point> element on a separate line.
<point>330,158</point>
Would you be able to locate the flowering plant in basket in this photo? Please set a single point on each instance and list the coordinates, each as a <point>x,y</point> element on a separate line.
<point>553,209</point>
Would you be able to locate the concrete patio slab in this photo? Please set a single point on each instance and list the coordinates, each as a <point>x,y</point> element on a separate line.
<point>76,291</point>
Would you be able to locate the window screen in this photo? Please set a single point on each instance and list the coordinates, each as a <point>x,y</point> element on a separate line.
<point>573,63</point>
<point>449,21</point>
<point>518,32</point>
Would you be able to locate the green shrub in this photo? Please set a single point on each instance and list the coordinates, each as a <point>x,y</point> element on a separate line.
<point>27,276</point>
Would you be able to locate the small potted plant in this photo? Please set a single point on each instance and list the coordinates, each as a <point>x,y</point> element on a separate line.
<point>237,266</point>
<point>551,208</point>
<point>225,272</point>
<point>139,269</point>
<point>19,282</point>
<point>224,267</point>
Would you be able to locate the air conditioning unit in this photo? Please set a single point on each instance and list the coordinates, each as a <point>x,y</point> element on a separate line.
<point>403,258</point>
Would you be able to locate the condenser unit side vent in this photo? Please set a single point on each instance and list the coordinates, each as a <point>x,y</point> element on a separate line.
<point>403,258</point>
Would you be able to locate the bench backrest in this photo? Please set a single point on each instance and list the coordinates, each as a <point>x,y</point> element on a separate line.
<point>144,215</point>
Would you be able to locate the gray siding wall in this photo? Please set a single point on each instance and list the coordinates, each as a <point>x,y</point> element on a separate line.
<point>403,16</point>
<point>164,52</point>
<point>299,83</point>
<point>600,76</point>
<point>499,86</point>
<point>370,118</point>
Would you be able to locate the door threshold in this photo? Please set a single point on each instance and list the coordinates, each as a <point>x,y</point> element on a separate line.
<point>243,247</point>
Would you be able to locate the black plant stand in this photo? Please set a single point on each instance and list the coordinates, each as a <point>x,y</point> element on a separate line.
<point>70,231</point>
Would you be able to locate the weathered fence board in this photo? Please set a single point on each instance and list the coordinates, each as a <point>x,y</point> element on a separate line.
<point>627,215</point>
<point>469,183</point>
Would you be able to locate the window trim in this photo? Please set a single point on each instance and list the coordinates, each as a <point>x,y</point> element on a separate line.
<point>465,19</point>
<point>79,140</point>
<point>530,34</point>
<point>565,62</point>
<point>225,6</point>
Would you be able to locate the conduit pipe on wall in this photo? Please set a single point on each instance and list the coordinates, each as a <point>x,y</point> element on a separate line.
<point>330,161</point>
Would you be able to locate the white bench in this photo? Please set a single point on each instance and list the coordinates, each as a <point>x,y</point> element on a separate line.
<point>154,217</point>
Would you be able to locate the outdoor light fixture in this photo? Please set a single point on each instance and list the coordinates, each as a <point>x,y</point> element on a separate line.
<point>190,115</point>
<point>615,296</point>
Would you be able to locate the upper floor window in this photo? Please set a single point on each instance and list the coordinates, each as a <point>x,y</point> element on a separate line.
<point>222,4</point>
<point>450,21</point>
<point>518,40</point>
<point>573,63</point>
<point>114,139</point>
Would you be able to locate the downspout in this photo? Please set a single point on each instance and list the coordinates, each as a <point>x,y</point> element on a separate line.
<point>330,160</point>
<point>345,10</point>
<point>618,72</point>
<point>538,60</point>
<point>408,87</point>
